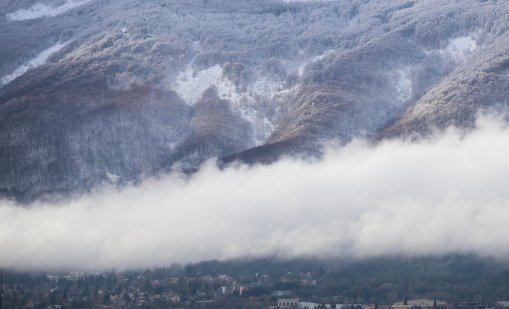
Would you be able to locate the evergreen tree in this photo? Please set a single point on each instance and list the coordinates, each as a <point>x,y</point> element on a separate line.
<point>106,298</point>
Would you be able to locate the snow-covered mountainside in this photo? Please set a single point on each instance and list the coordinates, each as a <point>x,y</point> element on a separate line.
<point>99,91</point>
<point>39,60</point>
<point>39,10</point>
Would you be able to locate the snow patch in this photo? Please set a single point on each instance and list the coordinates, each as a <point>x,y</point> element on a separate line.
<point>191,85</point>
<point>39,10</point>
<point>39,60</point>
<point>264,87</point>
<point>461,48</point>
<point>303,65</point>
<point>403,85</point>
<point>311,1</point>
<point>112,177</point>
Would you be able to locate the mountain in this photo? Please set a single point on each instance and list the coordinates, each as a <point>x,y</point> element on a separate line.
<point>113,91</point>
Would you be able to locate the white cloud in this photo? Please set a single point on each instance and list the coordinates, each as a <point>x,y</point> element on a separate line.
<point>442,195</point>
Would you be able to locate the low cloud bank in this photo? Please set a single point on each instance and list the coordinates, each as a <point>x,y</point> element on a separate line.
<point>442,195</point>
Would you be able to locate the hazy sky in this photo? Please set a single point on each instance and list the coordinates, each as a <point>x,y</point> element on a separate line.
<point>441,195</point>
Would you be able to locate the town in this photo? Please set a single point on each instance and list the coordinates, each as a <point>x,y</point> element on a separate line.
<point>251,285</point>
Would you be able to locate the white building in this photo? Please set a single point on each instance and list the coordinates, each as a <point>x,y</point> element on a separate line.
<point>288,303</point>
<point>308,305</point>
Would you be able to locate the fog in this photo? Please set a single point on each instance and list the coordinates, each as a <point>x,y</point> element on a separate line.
<point>440,195</point>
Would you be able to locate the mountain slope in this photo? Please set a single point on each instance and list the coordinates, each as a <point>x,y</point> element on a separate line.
<point>112,91</point>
